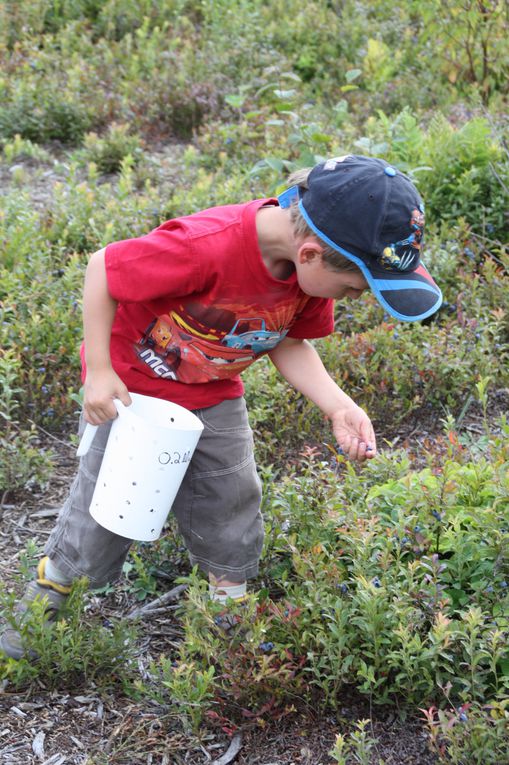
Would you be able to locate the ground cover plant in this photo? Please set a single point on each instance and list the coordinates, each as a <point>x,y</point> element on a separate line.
<point>387,584</point>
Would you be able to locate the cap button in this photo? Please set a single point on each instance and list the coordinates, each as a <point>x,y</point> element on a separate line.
<point>389,171</point>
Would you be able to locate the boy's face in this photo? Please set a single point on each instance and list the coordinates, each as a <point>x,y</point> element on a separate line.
<point>317,279</point>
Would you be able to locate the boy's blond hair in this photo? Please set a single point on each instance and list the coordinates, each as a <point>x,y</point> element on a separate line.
<point>331,257</point>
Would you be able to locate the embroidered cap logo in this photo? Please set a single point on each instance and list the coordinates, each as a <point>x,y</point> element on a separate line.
<point>404,255</point>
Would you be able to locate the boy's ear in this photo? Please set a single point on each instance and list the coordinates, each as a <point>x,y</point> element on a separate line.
<point>309,252</point>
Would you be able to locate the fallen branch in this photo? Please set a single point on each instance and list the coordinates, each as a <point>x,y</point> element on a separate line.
<point>231,752</point>
<point>148,608</point>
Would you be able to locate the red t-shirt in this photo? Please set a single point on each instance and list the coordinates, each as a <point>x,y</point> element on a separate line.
<point>197,305</point>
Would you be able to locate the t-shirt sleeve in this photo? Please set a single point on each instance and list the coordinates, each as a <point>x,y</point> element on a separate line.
<point>315,320</point>
<point>148,267</point>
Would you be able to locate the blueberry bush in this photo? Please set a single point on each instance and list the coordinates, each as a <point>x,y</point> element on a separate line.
<point>393,579</point>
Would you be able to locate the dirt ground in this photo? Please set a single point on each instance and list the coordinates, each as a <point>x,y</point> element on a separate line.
<point>91,728</point>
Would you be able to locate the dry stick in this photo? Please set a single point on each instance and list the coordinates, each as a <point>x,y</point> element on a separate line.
<point>231,752</point>
<point>158,602</point>
<point>50,435</point>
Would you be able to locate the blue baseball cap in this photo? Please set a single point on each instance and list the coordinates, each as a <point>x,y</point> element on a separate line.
<point>371,213</point>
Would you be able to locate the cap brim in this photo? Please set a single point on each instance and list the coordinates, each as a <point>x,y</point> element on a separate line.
<point>410,296</point>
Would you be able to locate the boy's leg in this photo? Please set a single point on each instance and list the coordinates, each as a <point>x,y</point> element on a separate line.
<point>218,505</point>
<point>78,545</point>
<point>50,593</point>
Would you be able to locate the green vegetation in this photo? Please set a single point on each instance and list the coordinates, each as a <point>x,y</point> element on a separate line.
<point>74,651</point>
<point>115,116</point>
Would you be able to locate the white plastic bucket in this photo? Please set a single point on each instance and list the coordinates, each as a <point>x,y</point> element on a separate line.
<point>149,449</point>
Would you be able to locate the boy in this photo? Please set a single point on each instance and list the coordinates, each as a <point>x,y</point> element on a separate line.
<point>177,314</point>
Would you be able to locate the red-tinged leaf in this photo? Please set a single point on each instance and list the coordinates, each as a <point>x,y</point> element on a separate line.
<point>429,714</point>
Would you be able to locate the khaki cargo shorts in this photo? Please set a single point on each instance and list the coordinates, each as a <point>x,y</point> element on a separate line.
<point>217,507</point>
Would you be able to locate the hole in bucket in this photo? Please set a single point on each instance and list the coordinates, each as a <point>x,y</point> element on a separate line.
<point>151,509</point>
<point>104,484</point>
<point>152,531</point>
<point>121,516</point>
<point>172,419</point>
<point>128,501</point>
<point>134,483</point>
<point>158,491</point>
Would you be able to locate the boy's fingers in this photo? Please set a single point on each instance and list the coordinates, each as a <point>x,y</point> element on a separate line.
<point>368,437</point>
<point>354,448</point>
<point>345,445</point>
<point>98,412</point>
<point>125,398</point>
<point>99,416</point>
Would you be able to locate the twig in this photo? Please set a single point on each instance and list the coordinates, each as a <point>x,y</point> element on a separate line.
<point>231,752</point>
<point>173,594</point>
<point>17,427</point>
<point>155,611</point>
<point>50,435</point>
<point>3,506</point>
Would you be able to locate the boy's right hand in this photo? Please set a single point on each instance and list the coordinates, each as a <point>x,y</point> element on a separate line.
<point>101,387</point>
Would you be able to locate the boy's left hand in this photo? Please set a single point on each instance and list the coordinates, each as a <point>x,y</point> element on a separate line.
<point>354,433</point>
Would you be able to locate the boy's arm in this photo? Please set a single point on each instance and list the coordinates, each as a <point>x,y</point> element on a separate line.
<point>102,384</point>
<point>301,365</point>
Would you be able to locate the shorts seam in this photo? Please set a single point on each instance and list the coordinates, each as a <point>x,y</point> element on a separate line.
<point>86,473</point>
<point>247,566</point>
<point>95,582</point>
<point>226,430</point>
<point>224,471</point>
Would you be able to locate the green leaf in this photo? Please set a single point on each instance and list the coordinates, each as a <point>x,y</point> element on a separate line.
<point>504,666</point>
<point>274,163</point>
<point>285,93</point>
<point>235,99</point>
<point>352,74</point>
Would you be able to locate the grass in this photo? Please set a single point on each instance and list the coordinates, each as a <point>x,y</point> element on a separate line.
<point>116,116</point>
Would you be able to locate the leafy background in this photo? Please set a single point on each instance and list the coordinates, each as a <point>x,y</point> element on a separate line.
<point>390,580</point>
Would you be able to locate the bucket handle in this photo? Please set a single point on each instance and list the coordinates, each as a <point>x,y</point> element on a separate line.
<point>90,430</point>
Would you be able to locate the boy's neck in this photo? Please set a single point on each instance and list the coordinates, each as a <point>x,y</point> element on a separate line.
<point>276,241</point>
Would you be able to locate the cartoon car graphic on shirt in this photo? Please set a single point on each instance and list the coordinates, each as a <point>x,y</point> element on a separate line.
<point>193,359</point>
<point>159,336</point>
<point>257,340</point>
